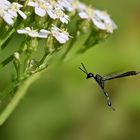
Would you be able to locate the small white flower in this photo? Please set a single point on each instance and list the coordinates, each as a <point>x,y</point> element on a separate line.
<point>103,21</point>
<point>86,13</point>
<point>58,12</point>
<point>72,5</point>
<point>66,4</point>
<point>34,33</point>
<point>42,7</point>
<point>52,8</point>
<point>60,35</point>
<point>8,11</point>
<point>15,8</point>
<point>61,15</point>
<point>99,18</point>
<point>6,17</point>
<point>39,7</point>
<point>29,31</point>
<point>4,5</point>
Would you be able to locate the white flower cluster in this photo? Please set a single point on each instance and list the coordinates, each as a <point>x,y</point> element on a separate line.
<point>99,18</point>
<point>56,10</point>
<point>60,35</point>
<point>50,7</point>
<point>9,11</point>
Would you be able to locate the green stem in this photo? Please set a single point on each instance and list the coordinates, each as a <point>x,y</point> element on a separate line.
<point>20,93</point>
<point>9,59</point>
<point>43,63</point>
<point>8,34</point>
<point>69,47</point>
<point>43,58</point>
<point>8,91</point>
<point>6,61</point>
<point>6,38</point>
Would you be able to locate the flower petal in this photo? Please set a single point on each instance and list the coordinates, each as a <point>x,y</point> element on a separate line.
<point>83,15</point>
<point>12,13</point>
<point>8,19</point>
<point>43,33</point>
<point>33,4</point>
<point>40,12</point>
<point>22,31</point>
<point>22,14</point>
<point>51,14</point>
<point>33,34</point>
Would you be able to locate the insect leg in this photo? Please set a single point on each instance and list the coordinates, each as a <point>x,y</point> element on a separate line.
<point>108,100</point>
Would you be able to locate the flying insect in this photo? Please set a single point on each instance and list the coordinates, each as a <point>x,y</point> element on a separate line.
<point>102,79</point>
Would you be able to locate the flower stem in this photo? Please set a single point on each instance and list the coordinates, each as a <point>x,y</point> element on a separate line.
<point>19,94</point>
<point>6,61</point>
<point>3,41</point>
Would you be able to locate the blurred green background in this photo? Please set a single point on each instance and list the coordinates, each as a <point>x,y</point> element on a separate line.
<point>63,105</point>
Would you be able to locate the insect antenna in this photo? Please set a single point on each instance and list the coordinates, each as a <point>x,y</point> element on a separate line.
<point>84,69</point>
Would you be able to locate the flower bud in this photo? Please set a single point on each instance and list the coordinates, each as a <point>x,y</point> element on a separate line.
<point>17,56</point>
<point>33,45</point>
<point>31,66</point>
<point>16,62</point>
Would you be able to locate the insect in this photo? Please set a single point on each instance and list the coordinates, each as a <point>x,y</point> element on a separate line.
<point>102,79</point>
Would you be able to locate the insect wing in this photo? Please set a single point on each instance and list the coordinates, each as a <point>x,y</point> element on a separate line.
<point>129,73</point>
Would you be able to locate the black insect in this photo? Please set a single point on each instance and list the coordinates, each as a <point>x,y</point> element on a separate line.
<point>101,80</point>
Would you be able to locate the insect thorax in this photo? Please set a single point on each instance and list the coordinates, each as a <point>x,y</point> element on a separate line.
<point>99,80</point>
